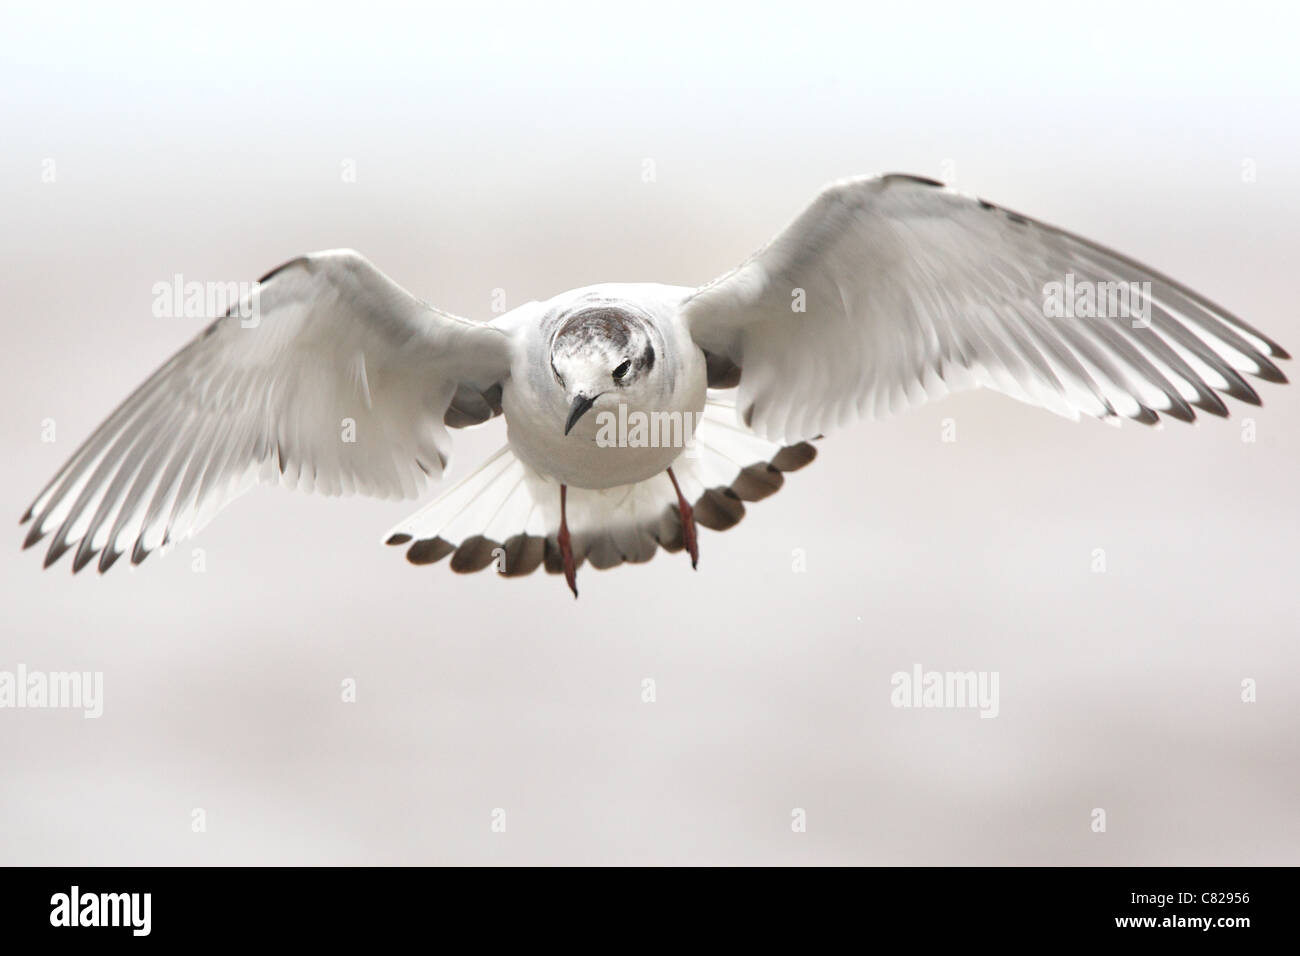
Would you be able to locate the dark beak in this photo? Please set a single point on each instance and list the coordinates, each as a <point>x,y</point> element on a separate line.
<point>580,406</point>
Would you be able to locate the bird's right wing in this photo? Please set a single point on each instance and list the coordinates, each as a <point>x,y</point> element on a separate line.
<point>333,378</point>
<point>890,291</point>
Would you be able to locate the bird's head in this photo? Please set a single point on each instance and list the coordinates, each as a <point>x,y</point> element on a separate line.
<point>603,356</point>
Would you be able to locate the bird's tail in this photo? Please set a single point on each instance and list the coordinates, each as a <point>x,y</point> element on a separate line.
<point>506,516</point>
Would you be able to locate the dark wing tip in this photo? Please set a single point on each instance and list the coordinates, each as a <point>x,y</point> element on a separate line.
<point>756,482</point>
<point>109,558</point>
<point>1144,415</point>
<point>1179,409</point>
<point>85,554</point>
<point>1274,350</point>
<point>429,551</point>
<point>1270,372</point>
<point>57,550</point>
<point>281,267</point>
<point>474,554</point>
<point>912,178</point>
<point>719,509</point>
<point>398,538</point>
<point>794,457</point>
<point>1241,391</point>
<point>524,554</point>
<point>1209,401</point>
<point>553,562</point>
<point>34,535</point>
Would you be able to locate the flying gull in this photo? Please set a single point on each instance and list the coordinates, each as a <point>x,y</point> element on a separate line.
<point>635,412</point>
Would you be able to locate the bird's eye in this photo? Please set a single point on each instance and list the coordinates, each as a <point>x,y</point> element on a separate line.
<point>623,366</point>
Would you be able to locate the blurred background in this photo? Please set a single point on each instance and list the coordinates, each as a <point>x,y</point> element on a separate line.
<point>517,151</point>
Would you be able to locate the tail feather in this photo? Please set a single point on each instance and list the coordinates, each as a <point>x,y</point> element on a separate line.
<point>507,516</point>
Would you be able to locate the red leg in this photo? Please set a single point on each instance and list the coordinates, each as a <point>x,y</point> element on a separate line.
<point>688,523</point>
<point>566,544</point>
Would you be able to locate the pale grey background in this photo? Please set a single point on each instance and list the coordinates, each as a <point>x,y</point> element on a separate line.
<point>505,149</point>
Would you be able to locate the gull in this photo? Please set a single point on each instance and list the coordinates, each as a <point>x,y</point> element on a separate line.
<point>636,412</point>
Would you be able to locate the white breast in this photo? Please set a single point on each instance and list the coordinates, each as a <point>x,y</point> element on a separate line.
<point>619,441</point>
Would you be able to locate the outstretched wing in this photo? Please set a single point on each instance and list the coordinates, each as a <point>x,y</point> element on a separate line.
<point>331,378</point>
<point>890,291</point>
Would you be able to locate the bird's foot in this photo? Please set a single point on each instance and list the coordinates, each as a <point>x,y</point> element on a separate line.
<point>689,540</point>
<point>566,545</point>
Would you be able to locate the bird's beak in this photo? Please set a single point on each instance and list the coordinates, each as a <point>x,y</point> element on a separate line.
<point>579,408</point>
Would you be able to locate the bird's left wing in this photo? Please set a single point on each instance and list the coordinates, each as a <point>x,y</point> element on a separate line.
<point>331,377</point>
<point>889,291</point>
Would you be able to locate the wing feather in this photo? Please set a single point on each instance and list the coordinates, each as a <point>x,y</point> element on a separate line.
<point>331,378</point>
<point>911,291</point>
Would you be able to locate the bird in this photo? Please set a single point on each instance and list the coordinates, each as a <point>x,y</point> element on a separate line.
<point>636,413</point>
